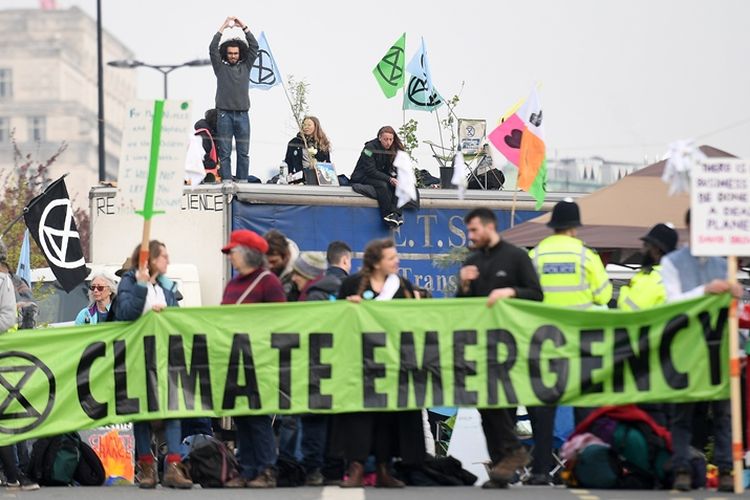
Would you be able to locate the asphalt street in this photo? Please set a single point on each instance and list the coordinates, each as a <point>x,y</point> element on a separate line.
<point>335,493</point>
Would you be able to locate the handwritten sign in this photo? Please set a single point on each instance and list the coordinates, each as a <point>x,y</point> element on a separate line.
<point>152,164</point>
<point>720,207</point>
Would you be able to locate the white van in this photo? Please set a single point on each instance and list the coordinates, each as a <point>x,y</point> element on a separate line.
<point>58,308</point>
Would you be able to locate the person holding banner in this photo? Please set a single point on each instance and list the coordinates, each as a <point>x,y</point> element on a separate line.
<point>375,168</point>
<point>142,290</point>
<point>253,284</point>
<point>383,434</point>
<point>232,61</point>
<point>301,150</point>
<point>8,316</point>
<point>686,276</point>
<point>498,270</point>
<point>102,293</point>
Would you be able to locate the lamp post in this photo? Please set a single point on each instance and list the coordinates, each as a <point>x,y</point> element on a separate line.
<point>164,69</point>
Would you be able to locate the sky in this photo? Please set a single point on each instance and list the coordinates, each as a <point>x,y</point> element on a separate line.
<point>618,79</point>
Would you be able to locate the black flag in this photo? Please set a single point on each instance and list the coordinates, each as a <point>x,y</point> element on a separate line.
<point>49,218</point>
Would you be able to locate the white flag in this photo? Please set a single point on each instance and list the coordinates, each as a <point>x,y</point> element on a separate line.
<point>406,190</point>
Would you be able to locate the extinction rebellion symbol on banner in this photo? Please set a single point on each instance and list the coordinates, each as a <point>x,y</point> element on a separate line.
<point>27,392</point>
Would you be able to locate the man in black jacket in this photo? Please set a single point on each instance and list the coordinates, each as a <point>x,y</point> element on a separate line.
<point>232,62</point>
<point>498,270</point>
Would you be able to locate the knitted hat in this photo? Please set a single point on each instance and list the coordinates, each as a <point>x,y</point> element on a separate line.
<point>310,265</point>
<point>246,238</point>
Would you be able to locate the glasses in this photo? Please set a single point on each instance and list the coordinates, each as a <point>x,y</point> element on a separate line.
<point>98,288</point>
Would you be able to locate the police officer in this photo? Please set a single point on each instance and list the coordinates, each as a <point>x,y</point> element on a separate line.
<point>646,288</point>
<point>572,275</point>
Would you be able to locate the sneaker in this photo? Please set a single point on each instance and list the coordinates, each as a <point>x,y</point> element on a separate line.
<point>726,481</point>
<point>505,469</point>
<point>27,484</point>
<point>266,479</point>
<point>539,480</point>
<point>682,481</point>
<point>391,218</point>
<point>315,478</point>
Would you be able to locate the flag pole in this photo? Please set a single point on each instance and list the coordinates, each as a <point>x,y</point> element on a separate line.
<point>513,207</point>
<point>734,381</point>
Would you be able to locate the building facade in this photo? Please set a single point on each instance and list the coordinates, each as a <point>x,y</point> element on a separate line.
<point>48,93</point>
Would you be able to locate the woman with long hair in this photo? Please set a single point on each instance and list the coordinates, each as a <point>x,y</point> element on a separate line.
<point>383,434</point>
<point>102,293</point>
<point>375,168</point>
<point>144,289</point>
<point>311,142</point>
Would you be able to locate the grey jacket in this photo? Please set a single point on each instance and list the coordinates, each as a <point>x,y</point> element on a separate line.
<point>232,81</point>
<point>8,314</point>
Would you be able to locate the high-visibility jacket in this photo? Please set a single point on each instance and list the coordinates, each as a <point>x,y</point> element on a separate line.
<point>571,274</point>
<point>645,290</point>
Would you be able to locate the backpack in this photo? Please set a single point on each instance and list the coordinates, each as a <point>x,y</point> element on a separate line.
<point>643,453</point>
<point>90,470</point>
<point>54,460</point>
<point>210,462</point>
<point>595,466</point>
<point>289,473</point>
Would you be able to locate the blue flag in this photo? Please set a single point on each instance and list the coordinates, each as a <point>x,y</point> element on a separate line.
<point>420,94</point>
<point>24,259</point>
<point>265,72</point>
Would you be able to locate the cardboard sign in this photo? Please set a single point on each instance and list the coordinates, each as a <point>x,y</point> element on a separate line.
<point>152,163</point>
<point>720,207</point>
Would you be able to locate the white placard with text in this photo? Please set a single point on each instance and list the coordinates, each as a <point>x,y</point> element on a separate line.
<point>720,207</point>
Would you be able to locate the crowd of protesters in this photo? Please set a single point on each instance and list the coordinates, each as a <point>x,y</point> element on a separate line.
<point>337,449</point>
<point>342,448</point>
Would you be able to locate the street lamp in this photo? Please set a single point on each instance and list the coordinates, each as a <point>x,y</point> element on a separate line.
<point>164,69</point>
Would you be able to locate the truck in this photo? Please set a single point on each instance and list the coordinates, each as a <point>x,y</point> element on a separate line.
<point>312,216</point>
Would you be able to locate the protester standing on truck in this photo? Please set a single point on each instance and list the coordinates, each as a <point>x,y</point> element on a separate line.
<point>232,61</point>
<point>144,289</point>
<point>383,434</point>
<point>253,283</point>
<point>499,271</point>
<point>301,150</point>
<point>375,168</point>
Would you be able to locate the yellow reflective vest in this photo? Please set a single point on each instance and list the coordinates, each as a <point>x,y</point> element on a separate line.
<point>645,290</point>
<point>571,274</point>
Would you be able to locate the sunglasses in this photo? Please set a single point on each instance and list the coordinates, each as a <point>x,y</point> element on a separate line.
<point>98,288</point>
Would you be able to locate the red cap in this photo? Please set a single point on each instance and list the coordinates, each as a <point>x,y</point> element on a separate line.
<point>246,238</point>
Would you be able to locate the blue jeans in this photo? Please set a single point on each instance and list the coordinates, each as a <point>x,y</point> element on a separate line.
<point>289,437</point>
<point>142,436</point>
<point>233,124</point>
<point>256,443</point>
<point>682,434</point>
<point>313,445</point>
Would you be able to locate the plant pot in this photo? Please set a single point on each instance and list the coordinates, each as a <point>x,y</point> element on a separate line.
<point>446,174</point>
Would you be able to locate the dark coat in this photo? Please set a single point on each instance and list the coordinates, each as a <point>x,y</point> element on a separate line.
<point>131,297</point>
<point>375,163</point>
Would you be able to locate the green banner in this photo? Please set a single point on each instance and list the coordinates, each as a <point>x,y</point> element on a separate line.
<point>343,357</point>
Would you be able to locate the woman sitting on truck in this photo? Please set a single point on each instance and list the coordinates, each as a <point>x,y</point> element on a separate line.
<point>144,289</point>
<point>102,293</point>
<point>375,168</point>
<point>299,152</point>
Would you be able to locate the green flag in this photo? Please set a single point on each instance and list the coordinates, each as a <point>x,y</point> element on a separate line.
<point>389,72</point>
